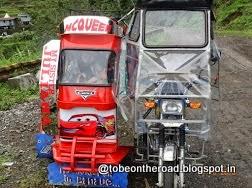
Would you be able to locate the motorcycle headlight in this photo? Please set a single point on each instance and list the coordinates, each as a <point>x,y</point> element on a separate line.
<point>173,107</point>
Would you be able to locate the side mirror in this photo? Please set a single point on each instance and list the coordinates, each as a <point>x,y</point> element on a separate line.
<point>215,53</point>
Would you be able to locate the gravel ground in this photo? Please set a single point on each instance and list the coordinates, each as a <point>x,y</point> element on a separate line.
<point>18,127</point>
<point>230,142</point>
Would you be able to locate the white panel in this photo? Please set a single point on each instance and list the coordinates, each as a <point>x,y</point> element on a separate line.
<point>86,25</point>
<point>49,64</point>
<point>65,115</point>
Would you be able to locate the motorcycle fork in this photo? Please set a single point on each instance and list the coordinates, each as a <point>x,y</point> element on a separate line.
<point>181,155</point>
<point>161,153</point>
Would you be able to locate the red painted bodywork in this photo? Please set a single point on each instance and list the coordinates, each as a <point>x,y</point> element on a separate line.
<point>86,147</point>
<point>101,100</point>
<point>88,151</point>
<point>99,42</point>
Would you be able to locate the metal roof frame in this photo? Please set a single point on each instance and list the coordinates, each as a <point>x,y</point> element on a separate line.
<point>174,4</point>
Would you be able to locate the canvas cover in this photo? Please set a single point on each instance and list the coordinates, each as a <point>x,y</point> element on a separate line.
<point>175,3</point>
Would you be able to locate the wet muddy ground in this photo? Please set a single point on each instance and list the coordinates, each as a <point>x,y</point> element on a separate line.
<point>230,141</point>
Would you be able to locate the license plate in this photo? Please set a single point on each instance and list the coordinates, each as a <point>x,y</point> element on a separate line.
<point>57,176</point>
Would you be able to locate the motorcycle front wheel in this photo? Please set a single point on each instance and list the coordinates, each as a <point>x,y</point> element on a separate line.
<point>169,176</point>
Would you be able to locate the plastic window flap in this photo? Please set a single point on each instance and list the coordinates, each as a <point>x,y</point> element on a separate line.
<point>184,67</point>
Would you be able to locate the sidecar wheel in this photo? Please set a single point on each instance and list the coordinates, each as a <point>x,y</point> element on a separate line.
<point>169,177</point>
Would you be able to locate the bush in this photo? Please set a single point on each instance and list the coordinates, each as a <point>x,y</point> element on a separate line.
<point>19,47</point>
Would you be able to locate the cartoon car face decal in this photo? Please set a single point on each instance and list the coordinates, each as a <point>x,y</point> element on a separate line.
<point>85,94</point>
<point>105,125</point>
<point>84,118</point>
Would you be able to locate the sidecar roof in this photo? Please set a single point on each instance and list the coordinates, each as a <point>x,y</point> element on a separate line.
<point>175,4</point>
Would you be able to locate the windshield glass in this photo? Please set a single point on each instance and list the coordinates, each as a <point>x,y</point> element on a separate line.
<point>176,68</point>
<point>87,67</point>
<point>175,28</point>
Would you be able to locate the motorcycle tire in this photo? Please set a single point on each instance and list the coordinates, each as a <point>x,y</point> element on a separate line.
<point>168,176</point>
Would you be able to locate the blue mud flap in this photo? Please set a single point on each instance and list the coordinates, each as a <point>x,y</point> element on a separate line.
<point>43,145</point>
<point>57,176</point>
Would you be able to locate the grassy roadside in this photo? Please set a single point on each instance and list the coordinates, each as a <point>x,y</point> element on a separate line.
<point>23,58</point>
<point>246,34</point>
<point>10,96</point>
<point>19,47</point>
<point>234,15</point>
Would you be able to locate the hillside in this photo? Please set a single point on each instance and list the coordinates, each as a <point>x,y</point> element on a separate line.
<point>234,15</point>
<point>46,16</point>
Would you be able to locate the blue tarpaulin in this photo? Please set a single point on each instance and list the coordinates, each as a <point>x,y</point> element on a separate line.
<point>57,176</point>
<point>43,145</point>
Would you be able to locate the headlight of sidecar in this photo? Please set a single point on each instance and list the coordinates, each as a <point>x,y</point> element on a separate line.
<point>173,107</point>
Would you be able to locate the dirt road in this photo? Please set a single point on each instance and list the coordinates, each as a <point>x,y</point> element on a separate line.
<point>231,137</point>
<point>230,142</point>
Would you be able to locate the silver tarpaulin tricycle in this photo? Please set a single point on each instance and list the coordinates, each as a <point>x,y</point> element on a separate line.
<point>168,57</point>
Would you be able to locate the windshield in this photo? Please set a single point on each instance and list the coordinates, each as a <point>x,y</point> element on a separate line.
<point>87,67</point>
<point>178,28</point>
<point>178,68</point>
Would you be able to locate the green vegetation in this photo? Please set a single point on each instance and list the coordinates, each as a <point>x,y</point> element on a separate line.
<point>234,17</point>
<point>19,47</point>
<point>9,96</point>
<point>46,16</point>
